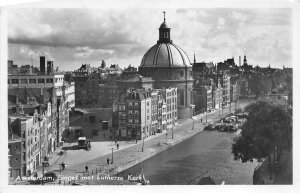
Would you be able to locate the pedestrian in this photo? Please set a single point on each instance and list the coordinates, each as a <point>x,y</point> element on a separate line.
<point>201,120</point>
<point>86,168</point>
<point>117,146</point>
<point>63,165</point>
<point>107,160</point>
<point>135,140</point>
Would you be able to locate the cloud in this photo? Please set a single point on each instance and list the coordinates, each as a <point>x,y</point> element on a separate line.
<point>72,36</point>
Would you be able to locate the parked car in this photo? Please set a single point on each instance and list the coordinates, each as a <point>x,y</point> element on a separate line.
<point>50,177</point>
<point>231,128</point>
<point>209,127</point>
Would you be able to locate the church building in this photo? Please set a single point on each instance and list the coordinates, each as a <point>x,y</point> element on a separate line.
<point>169,66</point>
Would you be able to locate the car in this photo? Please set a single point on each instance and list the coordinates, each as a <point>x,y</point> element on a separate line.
<point>50,177</point>
<point>209,127</point>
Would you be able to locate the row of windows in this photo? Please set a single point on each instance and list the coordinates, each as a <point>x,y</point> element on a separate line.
<point>172,93</point>
<point>135,112</point>
<point>135,120</point>
<point>135,104</point>
<point>30,81</point>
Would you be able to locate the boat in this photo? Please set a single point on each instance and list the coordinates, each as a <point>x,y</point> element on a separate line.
<point>203,180</point>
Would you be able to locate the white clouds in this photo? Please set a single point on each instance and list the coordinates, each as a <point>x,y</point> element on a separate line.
<point>71,36</point>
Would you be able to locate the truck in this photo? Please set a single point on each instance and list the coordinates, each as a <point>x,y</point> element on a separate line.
<point>83,143</point>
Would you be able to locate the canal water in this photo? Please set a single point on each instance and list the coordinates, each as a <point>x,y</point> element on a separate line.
<point>207,151</point>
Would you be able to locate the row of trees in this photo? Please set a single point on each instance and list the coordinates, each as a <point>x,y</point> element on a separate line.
<point>261,84</point>
<point>267,131</point>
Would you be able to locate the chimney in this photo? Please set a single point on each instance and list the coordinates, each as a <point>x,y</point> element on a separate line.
<point>49,67</point>
<point>42,64</point>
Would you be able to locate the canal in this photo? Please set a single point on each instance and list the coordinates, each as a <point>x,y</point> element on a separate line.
<point>207,151</point>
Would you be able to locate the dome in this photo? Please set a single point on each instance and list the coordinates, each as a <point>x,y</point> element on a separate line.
<point>165,55</point>
<point>164,25</point>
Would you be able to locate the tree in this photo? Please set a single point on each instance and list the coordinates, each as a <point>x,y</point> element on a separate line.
<point>268,127</point>
<point>260,84</point>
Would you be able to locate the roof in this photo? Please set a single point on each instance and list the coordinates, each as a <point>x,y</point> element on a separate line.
<point>206,181</point>
<point>164,25</point>
<point>165,55</point>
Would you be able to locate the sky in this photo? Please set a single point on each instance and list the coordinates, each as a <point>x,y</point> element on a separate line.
<point>71,37</point>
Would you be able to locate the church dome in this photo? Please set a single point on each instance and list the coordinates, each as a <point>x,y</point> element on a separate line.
<point>165,55</point>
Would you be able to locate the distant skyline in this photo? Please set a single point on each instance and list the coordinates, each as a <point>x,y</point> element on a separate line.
<point>72,37</point>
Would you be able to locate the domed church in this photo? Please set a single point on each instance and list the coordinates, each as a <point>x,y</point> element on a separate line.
<point>169,66</point>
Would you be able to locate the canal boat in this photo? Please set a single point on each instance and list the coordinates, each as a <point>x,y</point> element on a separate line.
<point>202,179</point>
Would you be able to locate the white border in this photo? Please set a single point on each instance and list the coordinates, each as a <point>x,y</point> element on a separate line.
<point>119,4</point>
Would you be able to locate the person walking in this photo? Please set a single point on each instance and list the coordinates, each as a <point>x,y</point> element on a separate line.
<point>63,165</point>
<point>201,120</point>
<point>86,168</point>
<point>117,146</point>
<point>107,160</point>
<point>135,140</point>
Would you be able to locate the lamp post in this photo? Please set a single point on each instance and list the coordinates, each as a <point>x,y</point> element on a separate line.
<point>167,137</point>
<point>143,143</point>
<point>112,155</point>
<point>143,140</point>
<point>222,108</point>
<point>43,164</point>
<point>193,123</point>
<point>172,128</point>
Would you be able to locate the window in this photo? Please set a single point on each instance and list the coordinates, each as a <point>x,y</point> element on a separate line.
<point>129,120</point>
<point>41,80</point>
<point>136,104</point>
<point>8,81</point>
<point>130,112</point>
<point>92,119</point>
<point>23,144</point>
<point>122,108</point>
<point>130,104</point>
<point>49,80</point>
<point>147,117</point>
<point>136,121</point>
<point>32,81</point>
<point>15,81</point>
<point>136,112</point>
<point>147,103</point>
<point>24,156</point>
<point>23,81</point>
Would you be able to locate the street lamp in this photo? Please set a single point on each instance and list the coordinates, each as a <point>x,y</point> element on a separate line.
<point>193,123</point>
<point>167,137</point>
<point>143,139</point>
<point>112,155</point>
<point>43,164</point>
<point>222,108</point>
<point>143,143</point>
<point>172,128</point>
